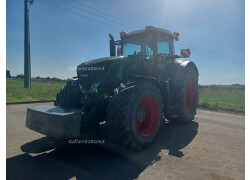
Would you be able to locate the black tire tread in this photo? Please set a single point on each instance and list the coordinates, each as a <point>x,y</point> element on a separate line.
<point>120,110</point>
<point>185,116</point>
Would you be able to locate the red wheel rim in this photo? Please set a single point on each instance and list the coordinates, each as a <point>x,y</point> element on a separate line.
<point>147,124</point>
<point>190,95</point>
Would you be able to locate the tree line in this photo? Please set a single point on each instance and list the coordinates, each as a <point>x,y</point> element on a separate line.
<point>38,78</point>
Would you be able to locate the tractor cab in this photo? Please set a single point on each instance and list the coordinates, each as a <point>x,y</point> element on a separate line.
<point>152,45</point>
<point>148,42</point>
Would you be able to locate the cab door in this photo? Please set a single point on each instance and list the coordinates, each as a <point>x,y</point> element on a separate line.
<point>164,56</point>
<point>148,60</point>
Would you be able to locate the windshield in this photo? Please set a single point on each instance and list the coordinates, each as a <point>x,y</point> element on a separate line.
<point>131,49</point>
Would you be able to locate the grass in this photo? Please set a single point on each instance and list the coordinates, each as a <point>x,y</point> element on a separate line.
<point>227,99</point>
<point>15,91</point>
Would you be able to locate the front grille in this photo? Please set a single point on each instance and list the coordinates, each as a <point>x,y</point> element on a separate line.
<point>92,71</point>
<point>86,79</point>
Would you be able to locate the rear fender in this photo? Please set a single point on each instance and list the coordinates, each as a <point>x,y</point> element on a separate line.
<point>182,65</point>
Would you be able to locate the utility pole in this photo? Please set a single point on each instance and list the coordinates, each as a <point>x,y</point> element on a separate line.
<point>27,67</point>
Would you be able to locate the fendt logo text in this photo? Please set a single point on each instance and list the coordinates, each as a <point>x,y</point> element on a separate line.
<point>90,68</point>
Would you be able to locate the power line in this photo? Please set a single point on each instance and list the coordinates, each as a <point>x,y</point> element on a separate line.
<point>213,57</point>
<point>211,51</point>
<point>107,14</point>
<point>198,48</point>
<point>234,59</point>
<point>209,54</point>
<point>84,10</point>
<point>86,17</point>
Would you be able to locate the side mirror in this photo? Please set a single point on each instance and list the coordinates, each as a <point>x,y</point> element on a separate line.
<point>185,53</point>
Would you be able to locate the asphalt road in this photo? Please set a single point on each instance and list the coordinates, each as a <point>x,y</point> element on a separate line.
<point>211,147</point>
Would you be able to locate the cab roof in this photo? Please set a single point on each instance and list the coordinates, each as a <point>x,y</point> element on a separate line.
<point>147,29</point>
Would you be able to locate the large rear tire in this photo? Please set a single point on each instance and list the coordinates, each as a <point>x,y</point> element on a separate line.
<point>186,97</point>
<point>135,114</point>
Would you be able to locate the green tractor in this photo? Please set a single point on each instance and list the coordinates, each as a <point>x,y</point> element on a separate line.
<point>135,91</point>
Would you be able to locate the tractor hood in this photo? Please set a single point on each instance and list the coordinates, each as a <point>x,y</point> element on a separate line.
<point>93,70</point>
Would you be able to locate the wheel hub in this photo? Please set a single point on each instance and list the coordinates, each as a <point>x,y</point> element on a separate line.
<point>141,114</point>
<point>147,116</point>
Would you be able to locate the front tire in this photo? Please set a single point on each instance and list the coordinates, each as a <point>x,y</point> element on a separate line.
<point>135,114</point>
<point>69,96</point>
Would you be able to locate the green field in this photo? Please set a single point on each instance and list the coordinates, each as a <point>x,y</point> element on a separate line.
<point>227,99</point>
<point>38,91</point>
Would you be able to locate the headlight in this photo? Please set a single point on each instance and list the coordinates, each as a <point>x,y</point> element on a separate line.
<point>94,87</point>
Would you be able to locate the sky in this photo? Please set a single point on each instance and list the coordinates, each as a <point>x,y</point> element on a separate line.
<point>62,38</point>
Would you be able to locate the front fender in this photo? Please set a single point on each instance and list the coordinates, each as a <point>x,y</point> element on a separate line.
<point>162,86</point>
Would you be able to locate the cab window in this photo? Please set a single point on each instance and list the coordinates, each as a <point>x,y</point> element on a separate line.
<point>131,49</point>
<point>163,47</point>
